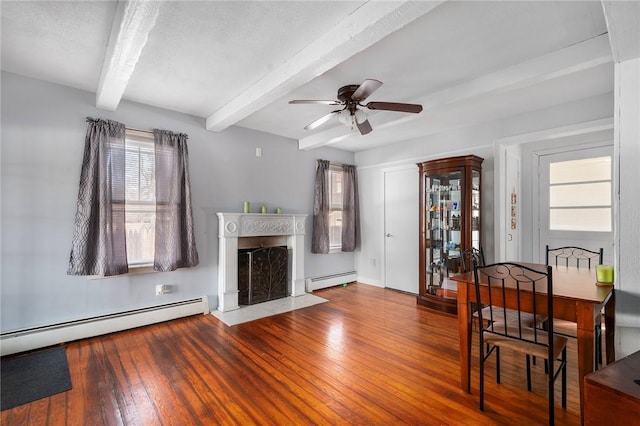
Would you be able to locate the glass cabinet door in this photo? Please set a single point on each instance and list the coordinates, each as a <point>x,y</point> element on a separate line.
<point>475,209</point>
<point>443,236</point>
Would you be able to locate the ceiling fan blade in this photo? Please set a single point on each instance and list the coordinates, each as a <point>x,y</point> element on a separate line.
<point>314,101</point>
<point>364,127</point>
<point>395,106</point>
<point>365,89</point>
<point>320,121</point>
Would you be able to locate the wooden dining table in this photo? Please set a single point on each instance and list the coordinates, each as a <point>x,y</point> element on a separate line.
<point>576,298</point>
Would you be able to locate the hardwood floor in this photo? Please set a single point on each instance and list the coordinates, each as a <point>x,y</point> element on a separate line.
<point>368,356</point>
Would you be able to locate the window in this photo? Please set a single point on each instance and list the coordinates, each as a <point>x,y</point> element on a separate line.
<point>140,198</point>
<point>335,208</point>
<point>580,195</point>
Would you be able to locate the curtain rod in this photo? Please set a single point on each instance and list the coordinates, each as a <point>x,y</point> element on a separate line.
<point>338,164</point>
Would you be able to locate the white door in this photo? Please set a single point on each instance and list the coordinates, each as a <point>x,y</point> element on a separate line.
<point>401,229</point>
<point>576,196</point>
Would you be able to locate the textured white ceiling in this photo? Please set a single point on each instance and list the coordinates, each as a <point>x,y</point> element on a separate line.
<point>459,59</point>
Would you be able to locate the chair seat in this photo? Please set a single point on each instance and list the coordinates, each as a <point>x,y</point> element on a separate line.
<point>569,328</point>
<point>527,319</point>
<point>565,328</point>
<point>525,346</point>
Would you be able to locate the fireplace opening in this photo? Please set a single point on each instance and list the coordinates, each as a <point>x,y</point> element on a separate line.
<point>263,270</point>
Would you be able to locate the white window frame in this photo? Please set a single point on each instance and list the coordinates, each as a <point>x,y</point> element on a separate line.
<point>604,185</point>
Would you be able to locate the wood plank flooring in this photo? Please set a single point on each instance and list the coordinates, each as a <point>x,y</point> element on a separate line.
<point>369,356</point>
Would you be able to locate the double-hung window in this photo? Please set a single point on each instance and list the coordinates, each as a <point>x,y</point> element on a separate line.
<point>335,208</point>
<point>140,198</point>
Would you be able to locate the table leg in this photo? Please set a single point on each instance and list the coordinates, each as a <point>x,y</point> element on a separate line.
<point>464,326</point>
<point>586,346</point>
<point>610,327</point>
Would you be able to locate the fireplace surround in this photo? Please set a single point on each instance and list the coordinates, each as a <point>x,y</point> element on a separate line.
<point>233,228</point>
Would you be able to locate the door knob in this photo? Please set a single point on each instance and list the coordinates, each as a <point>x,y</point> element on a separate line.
<point>389,235</point>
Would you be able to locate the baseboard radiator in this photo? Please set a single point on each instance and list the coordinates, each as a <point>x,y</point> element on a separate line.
<point>330,280</point>
<point>39,337</point>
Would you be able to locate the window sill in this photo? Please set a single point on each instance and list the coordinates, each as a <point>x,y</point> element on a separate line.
<point>133,270</point>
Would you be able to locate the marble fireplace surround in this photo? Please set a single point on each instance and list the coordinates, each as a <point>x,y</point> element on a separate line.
<point>232,226</point>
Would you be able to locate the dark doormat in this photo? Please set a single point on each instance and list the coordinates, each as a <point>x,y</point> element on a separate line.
<point>32,376</point>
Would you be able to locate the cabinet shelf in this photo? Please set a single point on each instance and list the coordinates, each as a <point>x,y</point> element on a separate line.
<point>450,222</point>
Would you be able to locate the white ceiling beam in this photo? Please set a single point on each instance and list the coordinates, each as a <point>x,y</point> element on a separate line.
<point>623,24</point>
<point>572,59</point>
<point>132,23</point>
<point>367,25</point>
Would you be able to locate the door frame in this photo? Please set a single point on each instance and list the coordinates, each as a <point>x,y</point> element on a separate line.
<point>502,199</point>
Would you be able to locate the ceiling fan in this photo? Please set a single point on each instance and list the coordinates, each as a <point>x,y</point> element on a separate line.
<point>351,114</point>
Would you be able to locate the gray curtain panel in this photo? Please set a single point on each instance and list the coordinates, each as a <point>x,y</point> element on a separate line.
<point>350,208</point>
<point>175,244</point>
<point>320,235</point>
<point>99,245</point>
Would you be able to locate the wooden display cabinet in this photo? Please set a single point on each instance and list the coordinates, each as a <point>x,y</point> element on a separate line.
<point>450,222</point>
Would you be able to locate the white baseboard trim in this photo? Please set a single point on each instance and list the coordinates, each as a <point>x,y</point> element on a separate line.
<point>325,281</point>
<point>39,337</point>
<point>370,281</point>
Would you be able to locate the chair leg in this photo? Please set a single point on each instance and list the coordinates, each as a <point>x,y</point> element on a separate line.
<point>529,372</point>
<point>564,377</point>
<point>481,374</point>
<point>497,364</point>
<point>470,334</point>
<point>550,383</point>
<point>598,345</point>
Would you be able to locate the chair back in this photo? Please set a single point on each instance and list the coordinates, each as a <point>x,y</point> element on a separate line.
<point>515,285</point>
<point>469,256</point>
<point>573,256</point>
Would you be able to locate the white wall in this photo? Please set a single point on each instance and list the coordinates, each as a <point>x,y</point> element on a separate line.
<point>479,140</point>
<point>43,130</point>
<point>627,145</point>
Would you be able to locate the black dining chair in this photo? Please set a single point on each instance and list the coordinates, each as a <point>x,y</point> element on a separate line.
<point>572,256</point>
<point>496,282</point>
<point>468,257</point>
<point>472,256</point>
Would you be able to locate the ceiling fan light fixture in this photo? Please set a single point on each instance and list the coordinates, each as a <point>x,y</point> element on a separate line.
<point>360,116</point>
<point>344,117</point>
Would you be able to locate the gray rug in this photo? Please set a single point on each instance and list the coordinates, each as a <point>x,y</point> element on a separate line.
<point>32,376</point>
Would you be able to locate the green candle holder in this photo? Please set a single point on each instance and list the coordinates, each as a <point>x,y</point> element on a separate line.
<point>605,275</point>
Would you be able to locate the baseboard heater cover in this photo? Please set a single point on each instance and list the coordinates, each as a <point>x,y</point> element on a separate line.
<point>330,280</point>
<point>27,339</point>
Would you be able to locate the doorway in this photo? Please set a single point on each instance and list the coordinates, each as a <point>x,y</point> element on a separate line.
<point>576,200</point>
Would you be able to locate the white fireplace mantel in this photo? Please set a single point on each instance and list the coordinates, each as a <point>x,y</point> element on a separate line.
<point>232,226</point>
